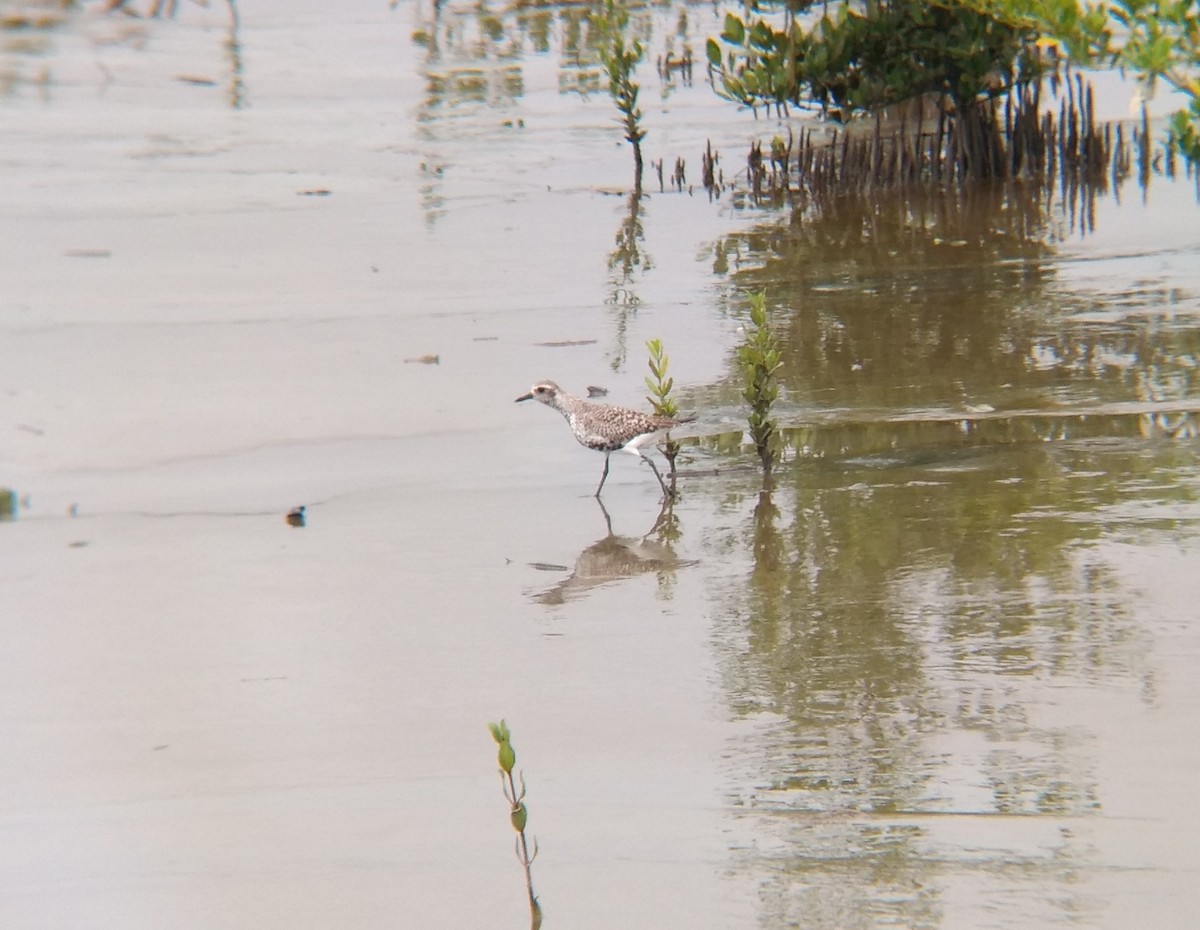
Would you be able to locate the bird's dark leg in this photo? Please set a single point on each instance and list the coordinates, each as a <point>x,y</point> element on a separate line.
<point>607,518</point>
<point>661,483</point>
<point>603,476</point>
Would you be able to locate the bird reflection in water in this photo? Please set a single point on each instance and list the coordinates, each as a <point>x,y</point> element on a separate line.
<point>614,558</point>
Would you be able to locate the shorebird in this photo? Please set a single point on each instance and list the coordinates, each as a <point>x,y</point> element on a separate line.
<point>605,428</point>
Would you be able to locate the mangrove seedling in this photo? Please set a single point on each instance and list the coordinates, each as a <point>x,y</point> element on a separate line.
<point>620,56</point>
<point>518,814</point>
<point>664,405</point>
<point>759,360</point>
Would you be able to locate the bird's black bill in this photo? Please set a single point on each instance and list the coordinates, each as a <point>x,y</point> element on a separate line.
<point>523,397</point>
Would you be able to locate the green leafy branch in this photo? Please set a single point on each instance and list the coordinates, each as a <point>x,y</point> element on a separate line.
<point>859,57</point>
<point>620,57</point>
<point>760,360</point>
<point>660,384</point>
<point>518,813</point>
<point>1158,40</point>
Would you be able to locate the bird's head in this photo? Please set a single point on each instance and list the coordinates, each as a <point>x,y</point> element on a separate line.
<point>545,391</point>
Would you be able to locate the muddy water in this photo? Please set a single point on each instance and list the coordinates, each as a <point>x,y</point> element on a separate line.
<point>940,676</point>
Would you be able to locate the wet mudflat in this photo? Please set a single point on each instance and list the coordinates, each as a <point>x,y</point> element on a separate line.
<point>942,675</point>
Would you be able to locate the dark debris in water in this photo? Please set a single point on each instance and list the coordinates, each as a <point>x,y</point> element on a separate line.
<point>548,567</point>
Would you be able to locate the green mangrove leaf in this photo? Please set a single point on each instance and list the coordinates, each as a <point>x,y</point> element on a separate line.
<point>519,817</point>
<point>507,757</point>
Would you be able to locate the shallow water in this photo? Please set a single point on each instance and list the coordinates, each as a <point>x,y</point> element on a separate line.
<point>940,676</point>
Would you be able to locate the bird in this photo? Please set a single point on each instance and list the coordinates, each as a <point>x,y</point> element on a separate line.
<point>606,428</point>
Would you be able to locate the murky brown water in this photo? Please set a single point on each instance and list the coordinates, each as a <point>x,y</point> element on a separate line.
<point>941,676</point>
